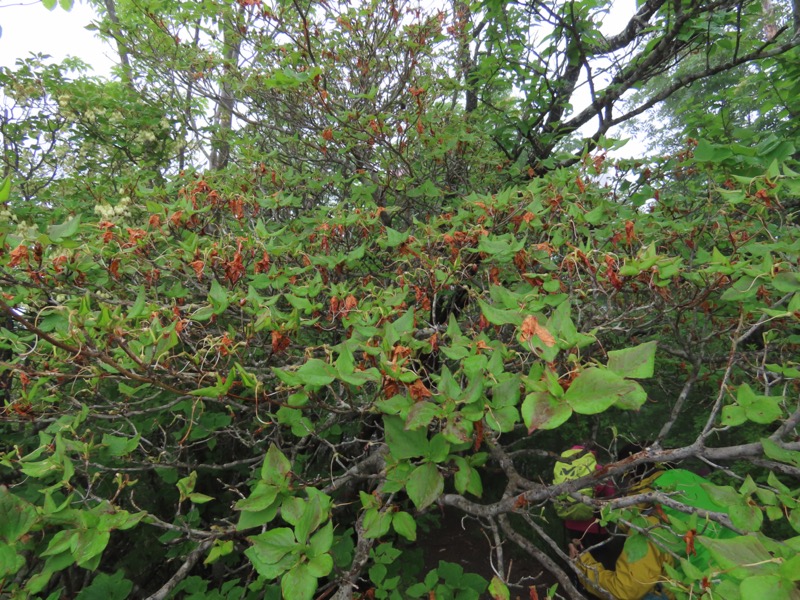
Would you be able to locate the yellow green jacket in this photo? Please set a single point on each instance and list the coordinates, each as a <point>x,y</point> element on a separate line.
<point>630,580</point>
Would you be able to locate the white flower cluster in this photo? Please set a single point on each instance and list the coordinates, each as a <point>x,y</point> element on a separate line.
<point>27,232</point>
<point>145,135</point>
<point>109,213</point>
<point>6,216</point>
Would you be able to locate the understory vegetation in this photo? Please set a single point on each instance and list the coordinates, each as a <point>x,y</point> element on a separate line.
<point>300,276</point>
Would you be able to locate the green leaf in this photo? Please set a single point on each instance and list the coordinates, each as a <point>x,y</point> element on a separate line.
<point>321,565</point>
<point>402,443</point>
<point>316,373</point>
<point>322,541</point>
<point>107,587</point>
<point>218,296</point>
<point>271,546</point>
<point>395,238</point>
<point>505,393</point>
<point>594,390</point>
<point>744,288</point>
<point>498,316</point>
<point>794,519</point>
<point>787,282</point>
<point>17,516</point>
<point>218,550</point>
<point>764,410</point>
<point>498,589</point>
<point>249,519</point>
<point>636,546</point>
<point>263,496</point>
<point>65,230</point>
<point>276,467</point>
<point>215,391</point>
<point>420,415</point>
<point>138,306</point>
<point>10,561</point>
<point>790,569</point>
<point>405,525</point>
<point>746,516</point>
<point>90,544</point>
<point>438,449</point>
<point>299,583</point>
<point>773,587</point>
<point>301,304</point>
<point>198,498</point>
<point>733,415</point>
<point>775,452</point>
<point>636,363</point>
<point>502,419</point>
<point>311,518</point>
<point>120,446</point>
<point>741,555</point>
<point>376,523</point>
<point>540,410</point>
<point>5,189</point>
<point>466,479</point>
<point>425,485</point>
<point>706,152</point>
<point>633,399</point>
<point>49,4</point>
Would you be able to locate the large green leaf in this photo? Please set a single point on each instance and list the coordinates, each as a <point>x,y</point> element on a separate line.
<point>316,373</point>
<point>540,410</point>
<point>595,389</point>
<point>742,556</point>
<point>10,561</point>
<point>107,587</point>
<point>299,583</point>
<point>262,497</point>
<point>405,525</point>
<point>636,546</point>
<point>773,587</point>
<point>499,316</point>
<point>5,189</point>
<point>404,443</point>
<point>376,523</point>
<point>273,545</point>
<point>64,230</point>
<point>17,516</point>
<point>425,485</point>
<point>775,452</point>
<point>276,467</point>
<point>322,540</point>
<point>637,362</point>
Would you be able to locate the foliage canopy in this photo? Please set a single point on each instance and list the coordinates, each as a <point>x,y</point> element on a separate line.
<point>303,272</point>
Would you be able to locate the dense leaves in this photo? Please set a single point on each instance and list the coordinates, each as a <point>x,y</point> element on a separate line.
<point>268,377</point>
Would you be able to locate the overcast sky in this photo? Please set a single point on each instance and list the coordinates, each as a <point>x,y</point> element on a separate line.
<point>30,27</point>
<point>27,26</point>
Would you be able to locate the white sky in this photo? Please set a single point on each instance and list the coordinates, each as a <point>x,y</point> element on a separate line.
<point>30,27</point>
<point>27,26</point>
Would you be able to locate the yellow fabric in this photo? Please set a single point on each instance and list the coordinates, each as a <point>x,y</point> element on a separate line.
<point>629,580</point>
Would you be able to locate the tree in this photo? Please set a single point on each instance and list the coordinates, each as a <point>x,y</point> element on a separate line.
<point>553,54</point>
<point>267,377</point>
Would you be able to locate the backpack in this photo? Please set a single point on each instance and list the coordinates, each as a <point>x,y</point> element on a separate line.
<point>576,463</point>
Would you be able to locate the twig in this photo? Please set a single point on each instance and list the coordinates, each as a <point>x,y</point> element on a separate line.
<point>181,573</point>
<point>547,562</point>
